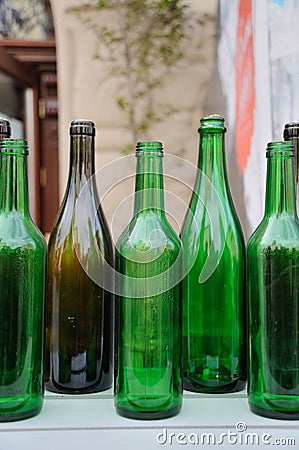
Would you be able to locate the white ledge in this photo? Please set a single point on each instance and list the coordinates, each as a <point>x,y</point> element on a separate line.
<point>87,422</point>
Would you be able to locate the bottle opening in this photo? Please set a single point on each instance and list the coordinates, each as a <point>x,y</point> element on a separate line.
<point>5,129</point>
<point>280,148</point>
<point>212,123</point>
<point>150,147</point>
<point>82,127</point>
<point>14,146</point>
<point>291,130</point>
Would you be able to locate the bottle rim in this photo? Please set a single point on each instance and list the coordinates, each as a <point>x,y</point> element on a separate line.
<point>149,148</point>
<point>214,123</point>
<point>291,129</point>
<point>280,148</point>
<point>82,127</point>
<point>5,128</point>
<point>14,146</point>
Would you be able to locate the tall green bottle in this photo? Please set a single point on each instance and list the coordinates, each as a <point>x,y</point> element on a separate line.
<point>273,294</point>
<point>23,252</point>
<point>213,289</point>
<point>148,313</point>
<point>79,312</point>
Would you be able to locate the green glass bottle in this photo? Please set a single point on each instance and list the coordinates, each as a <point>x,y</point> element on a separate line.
<point>213,290</point>
<point>148,314</point>
<point>23,252</point>
<point>273,294</point>
<point>79,312</point>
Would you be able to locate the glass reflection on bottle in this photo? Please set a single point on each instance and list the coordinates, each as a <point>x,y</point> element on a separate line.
<point>23,252</point>
<point>79,319</point>
<point>148,314</point>
<point>213,290</point>
<point>273,294</point>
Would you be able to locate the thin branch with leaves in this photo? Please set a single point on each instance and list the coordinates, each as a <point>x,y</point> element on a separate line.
<point>140,42</point>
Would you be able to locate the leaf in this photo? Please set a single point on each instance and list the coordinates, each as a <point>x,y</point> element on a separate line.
<point>139,46</point>
<point>122,102</point>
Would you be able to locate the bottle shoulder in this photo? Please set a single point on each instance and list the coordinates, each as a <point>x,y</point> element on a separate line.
<point>81,199</point>
<point>148,231</point>
<point>80,219</point>
<point>277,230</point>
<point>17,230</point>
<point>208,222</point>
<point>212,202</point>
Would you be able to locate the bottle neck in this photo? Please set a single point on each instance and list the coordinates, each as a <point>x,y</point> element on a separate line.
<point>81,161</point>
<point>211,159</point>
<point>291,134</point>
<point>14,184</point>
<point>280,186</point>
<point>149,185</point>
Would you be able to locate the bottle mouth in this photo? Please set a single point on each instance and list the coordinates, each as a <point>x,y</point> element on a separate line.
<point>149,148</point>
<point>5,129</point>
<point>291,130</point>
<point>14,146</point>
<point>80,126</point>
<point>280,148</point>
<point>212,124</point>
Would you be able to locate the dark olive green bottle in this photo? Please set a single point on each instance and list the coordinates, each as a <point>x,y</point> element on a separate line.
<point>291,133</point>
<point>23,252</point>
<point>273,294</point>
<point>213,291</point>
<point>148,313</point>
<point>79,313</point>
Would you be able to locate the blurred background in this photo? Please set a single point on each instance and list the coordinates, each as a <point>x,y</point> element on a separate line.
<point>141,75</point>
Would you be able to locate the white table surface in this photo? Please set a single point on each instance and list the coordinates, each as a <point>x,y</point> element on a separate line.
<point>90,422</point>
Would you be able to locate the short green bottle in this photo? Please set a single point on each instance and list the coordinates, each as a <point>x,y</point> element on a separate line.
<point>23,252</point>
<point>273,294</point>
<point>213,289</point>
<point>148,313</point>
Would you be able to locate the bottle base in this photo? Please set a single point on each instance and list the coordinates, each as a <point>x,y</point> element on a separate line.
<point>272,414</point>
<point>148,415</point>
<point>213,386</point>
<point>22,415</point>
<point>77,391</point>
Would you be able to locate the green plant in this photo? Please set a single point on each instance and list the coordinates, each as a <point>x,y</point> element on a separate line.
<point>140,41</point>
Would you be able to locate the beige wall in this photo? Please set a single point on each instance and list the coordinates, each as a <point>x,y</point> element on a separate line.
<point>87,90</point>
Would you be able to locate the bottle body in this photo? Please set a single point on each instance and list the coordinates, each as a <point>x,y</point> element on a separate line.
<point>23,252</point>
<point>273,295</point>
<point>148,322</point>
<point>79,313</point>
<point>213,289</point>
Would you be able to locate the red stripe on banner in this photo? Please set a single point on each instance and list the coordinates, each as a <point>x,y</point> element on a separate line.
<point>244,83</point>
